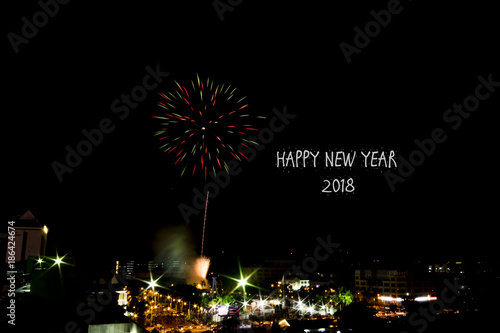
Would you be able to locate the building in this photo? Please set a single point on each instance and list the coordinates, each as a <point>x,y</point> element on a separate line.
<point>145,269</point>
<point>128,270</point>
<point>269,272</point>
<point>297,284</point>
<point>30,239</point>
<point>393,285</point>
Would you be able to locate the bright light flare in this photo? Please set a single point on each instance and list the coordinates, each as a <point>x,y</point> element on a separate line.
<point>425,298</point>
<point>243,280</point>
<point>57,261</point>
<point>152,283</point>
<point>390,299</point>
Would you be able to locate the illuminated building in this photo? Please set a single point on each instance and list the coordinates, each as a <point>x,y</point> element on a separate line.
<point>438,268</point>
<point>141,269</point>
<point>393,285</point>
<point>297,283</point>
<point>30,238</point>
<point>127,269</point>
<point>122,297</point>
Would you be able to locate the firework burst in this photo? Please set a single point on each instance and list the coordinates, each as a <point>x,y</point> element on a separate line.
<point>201,266</point>
<point>203,124</point>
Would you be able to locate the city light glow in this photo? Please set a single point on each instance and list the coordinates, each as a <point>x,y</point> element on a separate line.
<point>390,299</point>
<point>427,298</point>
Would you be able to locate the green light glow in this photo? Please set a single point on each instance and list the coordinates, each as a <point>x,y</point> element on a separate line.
<point>57,261</point>
<point>243,280</point>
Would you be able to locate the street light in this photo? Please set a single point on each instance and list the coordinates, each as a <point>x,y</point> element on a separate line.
<point>57,261</point>
<point>152,284</point>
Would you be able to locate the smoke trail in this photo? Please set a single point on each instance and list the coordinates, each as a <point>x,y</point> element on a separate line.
<point>174,246</point>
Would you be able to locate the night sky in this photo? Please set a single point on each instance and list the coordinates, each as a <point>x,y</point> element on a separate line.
<point>394,91</point>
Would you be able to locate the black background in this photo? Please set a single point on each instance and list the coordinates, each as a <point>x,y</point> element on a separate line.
<point>281,54</point>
